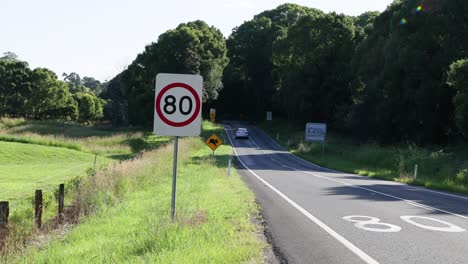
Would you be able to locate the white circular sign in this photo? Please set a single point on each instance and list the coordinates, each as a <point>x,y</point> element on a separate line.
<point>178,104</point>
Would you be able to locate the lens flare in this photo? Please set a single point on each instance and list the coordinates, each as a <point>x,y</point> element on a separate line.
<point>403,21</point>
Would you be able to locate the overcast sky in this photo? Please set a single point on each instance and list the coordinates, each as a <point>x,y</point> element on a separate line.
<point>99,37</point>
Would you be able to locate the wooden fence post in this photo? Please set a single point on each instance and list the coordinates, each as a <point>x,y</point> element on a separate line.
<point>38,208</point>
<point>61,197</point>
<point>4,213</point>
<point>78,198</point>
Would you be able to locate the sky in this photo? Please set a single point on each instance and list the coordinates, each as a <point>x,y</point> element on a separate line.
<point>99,38</point>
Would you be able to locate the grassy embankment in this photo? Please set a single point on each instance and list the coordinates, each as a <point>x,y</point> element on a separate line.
<point>132,204</point>
<point>443,168</point>
<point>43,154</point>
<point>40,154</point>
<point>27,167</point>
<point>105,141</point>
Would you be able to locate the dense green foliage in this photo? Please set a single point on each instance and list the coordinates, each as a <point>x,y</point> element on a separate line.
<point>191,48</point>
<point>438,168</point>
<point>313,62</point>
<point>400,71</point>
<point>378,76</point>
<point>39,94</point>
<point>50,97</point>
<point>251,77</point>
<point>90,107</point>
<point>458,79</point>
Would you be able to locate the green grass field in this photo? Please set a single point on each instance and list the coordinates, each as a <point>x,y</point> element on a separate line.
<point>42,154</point>
<point>444,168</point>
<point>127,205</point>
<point>27,167</point>
<point>102,140</point>
<point>213,220</point>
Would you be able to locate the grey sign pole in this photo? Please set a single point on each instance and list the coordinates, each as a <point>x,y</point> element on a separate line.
<point>174,177</point>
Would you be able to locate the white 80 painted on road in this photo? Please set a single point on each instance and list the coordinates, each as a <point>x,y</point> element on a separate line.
<point>372,224</point>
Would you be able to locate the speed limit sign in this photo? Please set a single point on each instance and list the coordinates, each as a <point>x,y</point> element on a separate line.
<point>178,102</point>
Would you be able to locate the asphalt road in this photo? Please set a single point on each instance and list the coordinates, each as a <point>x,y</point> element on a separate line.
<point>316,215</point>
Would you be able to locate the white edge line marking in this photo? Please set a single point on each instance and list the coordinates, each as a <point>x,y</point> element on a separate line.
<point>427,207</point>
<point>361,254</point>
<point>331,170</point>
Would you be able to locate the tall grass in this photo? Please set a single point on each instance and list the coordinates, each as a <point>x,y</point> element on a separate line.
<point>439,167</point>
<point>33,166</point>
<point>128,219</point>
<point>101,140</point>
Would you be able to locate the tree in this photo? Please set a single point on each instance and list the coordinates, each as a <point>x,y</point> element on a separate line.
<point>86,106</point>
<point>50,97</point>
<point>9,57</point>
<point>400,71</point>
<point>94,85</point>
<point>195,48</point>
<point>15,87</point>
<point>74,81</point>
<point>116,108</point>
<point>458,80</point>
<point>191,48</point>
<point>251,76</point>
<point>313,61</point>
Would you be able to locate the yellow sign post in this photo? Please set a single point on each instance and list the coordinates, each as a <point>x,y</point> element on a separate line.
<point>212,115</point>
<point>214,142</point>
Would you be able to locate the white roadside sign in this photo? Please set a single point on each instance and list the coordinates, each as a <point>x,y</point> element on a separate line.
<point>315,132</point>
<point>178,103</point>
<point>177,112</point>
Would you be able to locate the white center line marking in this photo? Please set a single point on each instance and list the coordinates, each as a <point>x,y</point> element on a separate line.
<point>416,188</point>
<point>427,207</point>
<point>361,254</point>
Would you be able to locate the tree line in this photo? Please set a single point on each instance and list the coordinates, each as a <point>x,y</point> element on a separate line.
<point>386,77</point>
<point>394,76</point>
<point>399,75</point>
<point>39,94</point>
<point>191,48</point>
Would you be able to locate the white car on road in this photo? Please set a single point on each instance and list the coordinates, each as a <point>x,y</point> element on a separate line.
<point>242,133</point>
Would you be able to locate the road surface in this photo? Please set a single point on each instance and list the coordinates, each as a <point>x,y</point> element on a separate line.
<point>316,215</point>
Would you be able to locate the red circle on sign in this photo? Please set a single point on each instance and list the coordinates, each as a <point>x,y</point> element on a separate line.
<point>165,90</point>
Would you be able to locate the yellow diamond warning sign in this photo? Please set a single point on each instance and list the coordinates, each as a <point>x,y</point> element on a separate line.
<point>214,142</point>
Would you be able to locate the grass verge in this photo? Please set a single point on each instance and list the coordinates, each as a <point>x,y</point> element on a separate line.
<point>26,167</point>
<point>131,223</point>
<point>43,154</point>
<point>443,168</point>
<point>102,140</point>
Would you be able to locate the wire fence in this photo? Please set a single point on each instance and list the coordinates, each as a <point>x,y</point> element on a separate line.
<point>45,183</point>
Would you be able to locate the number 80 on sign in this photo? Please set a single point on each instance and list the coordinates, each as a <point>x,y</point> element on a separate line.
<point>178,104</point>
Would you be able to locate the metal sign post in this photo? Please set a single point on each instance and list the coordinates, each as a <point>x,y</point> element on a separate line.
<point>174,176</point>
<point>178,103</point>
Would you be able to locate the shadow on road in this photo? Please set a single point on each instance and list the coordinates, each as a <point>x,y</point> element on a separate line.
<point>369,193</point>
